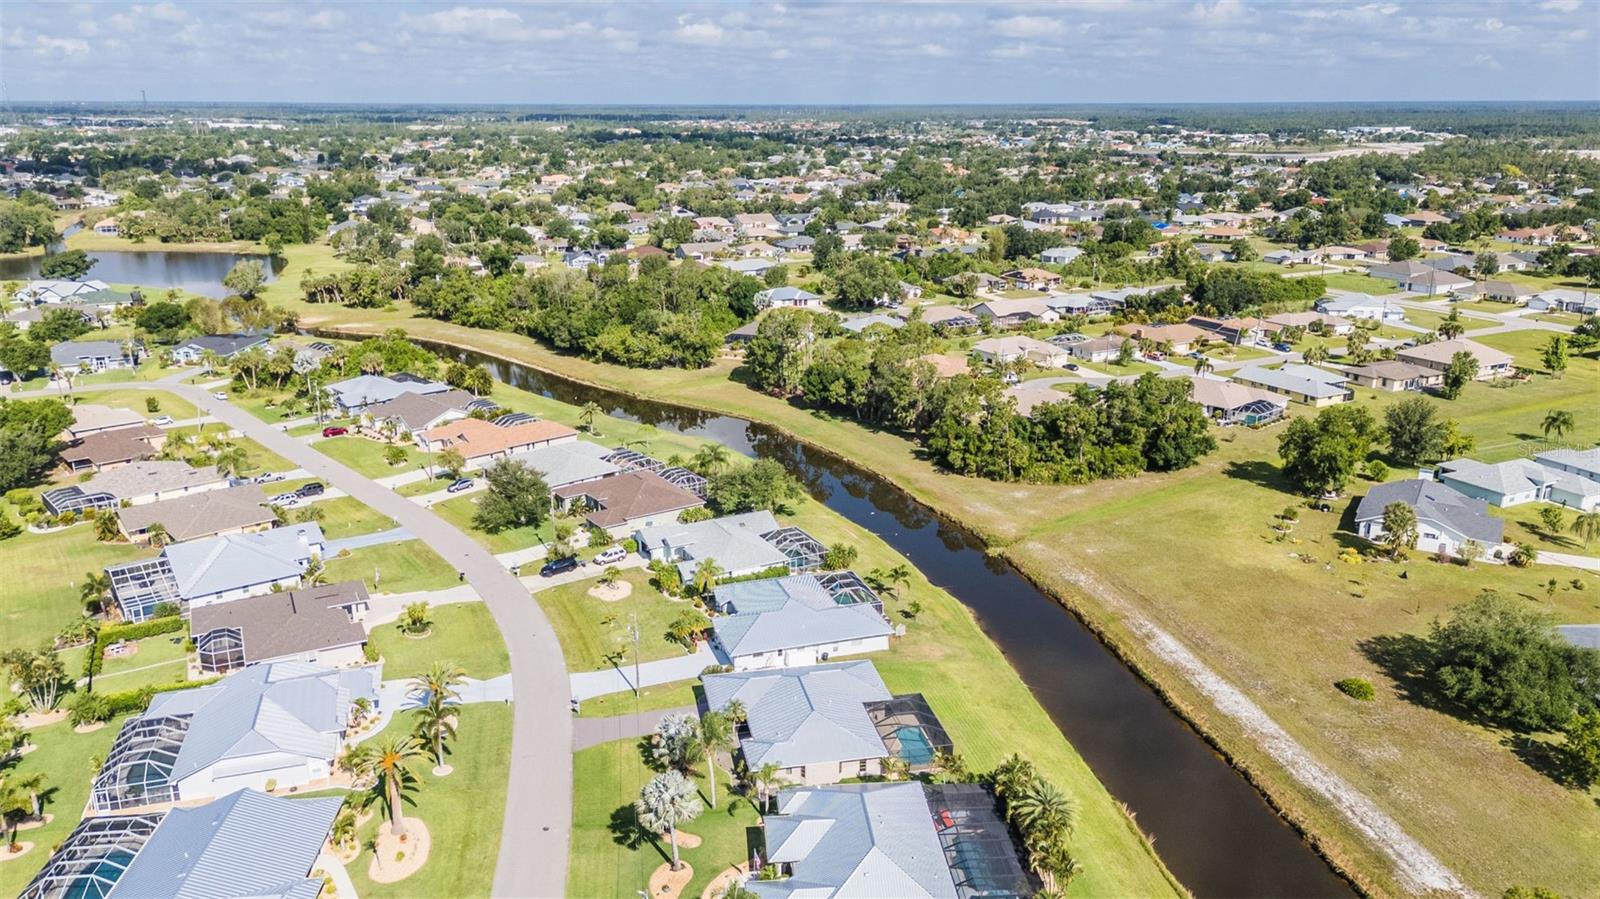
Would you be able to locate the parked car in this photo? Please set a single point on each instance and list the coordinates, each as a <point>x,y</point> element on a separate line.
<point>284,499</point>
<point>334,431</point>
<point>268,477</point>
<point>610,555</point>
<point>1071,366</point>
<point>314,488</point>
<point>459,485</point>
<point>1282,347</point>
<point>161,421</point>
<point>556,566</point>
<point>220,395</point>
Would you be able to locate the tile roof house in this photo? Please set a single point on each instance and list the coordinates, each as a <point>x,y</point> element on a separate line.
<point>481,442</point>
<point>245,844</point>
<point>1519,481</point>
<point>1392,375</point>
<point>107,449</point>
<point>1492,363</point>
<point>629,501</point>
<point>317,625</point>
<point>280,721</point>
<point>789,621</point>
<point>235,510</point>
<point>1002,350</point>
<point>1446,518</point>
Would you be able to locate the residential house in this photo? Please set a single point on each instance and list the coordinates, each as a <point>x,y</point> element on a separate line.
<point>1492,363</point>
<point>1011,313</point>
<point>1307,384</point>
<point>1563,299</point>
<point>1362,306</point>
<point>133,484</point>
<point>1293,257</point>
<point>700,251</point>
<point>481,442</point>
<point>790,297</point>
<point>946,317</point>
<point>741,545</point>
<point>1180,337</point>
<point>354,395</point>
<point>224,346</point>
<point>754,268</point>
<point>1060,255</point>
<point>1392,375</point>
<point>235,510</point>
<point>795,620</point>
<point>54,291</point>
<point>1549,235</point>
<point>629,501</point>
<point>282,723</point>
<point>1308,321</point>
<point>1231,403</point>
<point>1005,350</point>
<point>108,449</point>
<point>1099,349</point>
<point>319,625</point>
<point>1584,463</point>
<point>1446,518</point>
<point>216,569</point>
<point>94,355</point>
<point>1418,277</point>
<point>412,413</point>
<point>1519,481</point>
<point>858,324</point>
<point>570,462</point>
<point>1500,291</point>
<point>244,844</point>
<point>1346,254</point>
<point>1033,279</point>
<point>90,418</point>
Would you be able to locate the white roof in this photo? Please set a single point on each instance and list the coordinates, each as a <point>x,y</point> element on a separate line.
<point>805,716</point>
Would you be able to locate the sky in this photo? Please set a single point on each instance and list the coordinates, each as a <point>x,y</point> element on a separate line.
<point>790,52</point>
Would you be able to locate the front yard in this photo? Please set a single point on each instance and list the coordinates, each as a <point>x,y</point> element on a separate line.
<point>459,511</point>
<point>366,457</point>
<point>593,632</point>
<point>463,632</point>
<point>404,567</point>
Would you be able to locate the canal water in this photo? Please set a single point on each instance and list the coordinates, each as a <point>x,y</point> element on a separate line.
<point>154,270</point>
<point>1210,826</point>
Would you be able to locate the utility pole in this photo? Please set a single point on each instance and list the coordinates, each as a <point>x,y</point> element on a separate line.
<point>633,632</point>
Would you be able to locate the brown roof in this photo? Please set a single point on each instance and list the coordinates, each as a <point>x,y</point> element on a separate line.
<point>120,445</point>
<point>416,410</point>
<point>275,625</point>
<point>474,437</point>
<point>627,496</point>
<point>201,514</point>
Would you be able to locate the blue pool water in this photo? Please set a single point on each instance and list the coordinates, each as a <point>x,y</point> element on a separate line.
<point>914,746</point>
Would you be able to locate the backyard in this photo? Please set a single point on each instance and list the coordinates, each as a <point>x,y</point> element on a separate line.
<point>64,758</point>
<point>43,573</point>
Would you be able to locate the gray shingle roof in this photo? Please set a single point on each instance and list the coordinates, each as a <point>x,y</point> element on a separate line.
<point>569,463</point>
<point>1516,476</point>
<point>1441,505</point>
<point>201,514</point>
<point>244,844</point>
<point>805,716</point>
<point>140,478</point>
<point>856,840</point>
<point>275,625</point>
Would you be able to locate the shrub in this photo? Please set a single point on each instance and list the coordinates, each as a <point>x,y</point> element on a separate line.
<point>631,545</point>
<point>152,404</point>
<point>8,527</point>
<point>68,517</point>
<point>22,498</point>
<point>90,708</point>
<point>137,630</point>
<point>1357,688</point>
<point>369,652</point>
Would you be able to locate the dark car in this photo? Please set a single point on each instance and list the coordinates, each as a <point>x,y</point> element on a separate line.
<point>556,566</point>
<point>459,485</point>
<point>314,488</point>
<point>334,431</point>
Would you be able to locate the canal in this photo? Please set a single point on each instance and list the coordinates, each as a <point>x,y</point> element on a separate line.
<point>1210,826</point>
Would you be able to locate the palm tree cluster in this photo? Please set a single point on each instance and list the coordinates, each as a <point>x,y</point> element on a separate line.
<point>1043,815</point>
<point>438,688</point>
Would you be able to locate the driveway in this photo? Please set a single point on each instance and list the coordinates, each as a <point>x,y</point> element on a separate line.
<point>589,684</point>
<point>538,809</point>
<point>588,732</point>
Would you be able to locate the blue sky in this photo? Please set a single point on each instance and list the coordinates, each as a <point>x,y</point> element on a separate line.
<point>802,52</point>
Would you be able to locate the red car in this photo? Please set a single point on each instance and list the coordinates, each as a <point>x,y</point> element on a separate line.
<point>334,431</point>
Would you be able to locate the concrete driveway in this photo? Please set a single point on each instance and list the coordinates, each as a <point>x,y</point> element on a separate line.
<point>538,811</point>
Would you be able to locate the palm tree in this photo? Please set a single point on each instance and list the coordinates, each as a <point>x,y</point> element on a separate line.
<point>706,575</point>
<point>766,779</point>
<point>1586,526</point>
<point>1204,366</point>
<point>1451,327</point>
<point>436,720</point>
<point>667,801</point>
<point>388,764</point>
<point>716,735</point>
<point>1041,806</point>
<point>106,526</point>
<point>311,513</point>
<point>343,832</point>
<point>233,461</point>
<point>158,534</point>
<point>894,767</point>
<point>414,618</point>
<point>736,712</point>
<point>96,584</point>
<point>710,458</point>
<point>316,573</point>
<point>588,414</point>
<point>1315,354</point>
<point>14,807</point>
<point>33,785</point>
<point>1559,421</point>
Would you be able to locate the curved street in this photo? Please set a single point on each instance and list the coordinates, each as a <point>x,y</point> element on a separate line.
<point>537,829</point>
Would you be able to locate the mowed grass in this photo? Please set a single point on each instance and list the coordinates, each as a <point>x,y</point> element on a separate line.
<point>404,567</point>
<point>42,574</point>
<point>1357,283</point>
<point>589,629</point>
<point>63,757</point>
<point>1425,318</point>
<point>158,661</point>
<point>365,457</point>
<point>345,516</point>
<point>460,510</point>
<point>463,633</point>
<point>678,694</point>
<point>464,812</point>
<point>178,408</point>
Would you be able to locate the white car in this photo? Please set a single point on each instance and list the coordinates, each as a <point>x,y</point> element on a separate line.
<point>161,421</point>
<point>284,499</point>
<point>611,555</point>
<point>220,395</point>
<point>268,477</point>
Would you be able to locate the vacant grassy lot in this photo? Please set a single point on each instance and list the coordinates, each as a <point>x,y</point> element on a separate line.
<point>463,632</point>
<point>365,456</point>
<point>176,407</point>
<point>345,516</point>
<point>590,629</point>
<point>459,512</point>
<point>464,811</point>
<point>160,660</point>
<point>403,567</point>
<point>42,574</point>
<point>63,757</point>
<point>1424,318</point>
<point>1357,283</point>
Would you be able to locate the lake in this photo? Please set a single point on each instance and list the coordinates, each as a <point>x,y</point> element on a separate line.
<point>155,270</point>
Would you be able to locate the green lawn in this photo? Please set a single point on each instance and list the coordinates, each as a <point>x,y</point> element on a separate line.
<point>1358,283</point>
<point>170,404</point>
<point>42,573</point>
<point>405,567</point>
<point>1523,526</point>
<point>589,628</point>
<point>459,512</point>
<point>464,812</point>
<point>63,757</point>
<point>661,696</point>
<point>1424,318</point>
<point>366,456</point>
<point>463,632</point>
<point>346,516</point>
<point>158,661</point>
<point>1230,352</point>
<point>1526,347</point>
<point>610,858</point>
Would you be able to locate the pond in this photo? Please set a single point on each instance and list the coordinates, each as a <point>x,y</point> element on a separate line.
<point>154,270</point>
<point>1211,827</point>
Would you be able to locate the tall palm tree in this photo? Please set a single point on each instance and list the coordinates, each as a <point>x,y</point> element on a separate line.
<point>1041,806</point>
<point>436,720</point>
<point>1315,354</point>
<point>33,785</point>
<point>766,779</point>
<point>1559,421</point>
<point>96,584</point>
<point>389,765</point>
<point>716,735</point>
<point>587,415</point>
<point>14,807</point>
<point>1586,526</point>
<point>706,575</point>
<point>710,458</point>
<point>667,801</point>
<point>1204,366</point>
<point>233,462</point>
<point>736,712</point>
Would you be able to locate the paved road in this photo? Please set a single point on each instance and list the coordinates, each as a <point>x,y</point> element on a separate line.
<point>538,816</point>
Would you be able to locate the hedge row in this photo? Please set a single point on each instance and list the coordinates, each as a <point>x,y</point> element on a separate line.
<point>133,630</point>
<point>129,701</point>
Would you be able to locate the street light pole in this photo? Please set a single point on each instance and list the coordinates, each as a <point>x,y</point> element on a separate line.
<point>633,631</point>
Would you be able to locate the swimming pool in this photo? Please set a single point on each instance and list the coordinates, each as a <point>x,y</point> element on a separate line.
<point>914,746</point>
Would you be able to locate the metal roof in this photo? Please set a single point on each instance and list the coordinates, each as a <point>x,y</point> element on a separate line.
<point>788,613</point>
<point>235,561</point>
<point>803,716</point>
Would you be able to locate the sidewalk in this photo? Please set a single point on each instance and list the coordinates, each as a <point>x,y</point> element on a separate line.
<point>589,684</point>
<point>588,732</point>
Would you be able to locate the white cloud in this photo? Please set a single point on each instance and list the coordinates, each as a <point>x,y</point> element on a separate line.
<point>1029,26</point>
<point>72,47</point>
<point>325,19</point>
<point>1491,25</point>
<point>1220,11</point>
<point>478,23</point>
<point>1561,5</point>
<point>705,34</point>
<point>935,50</point>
